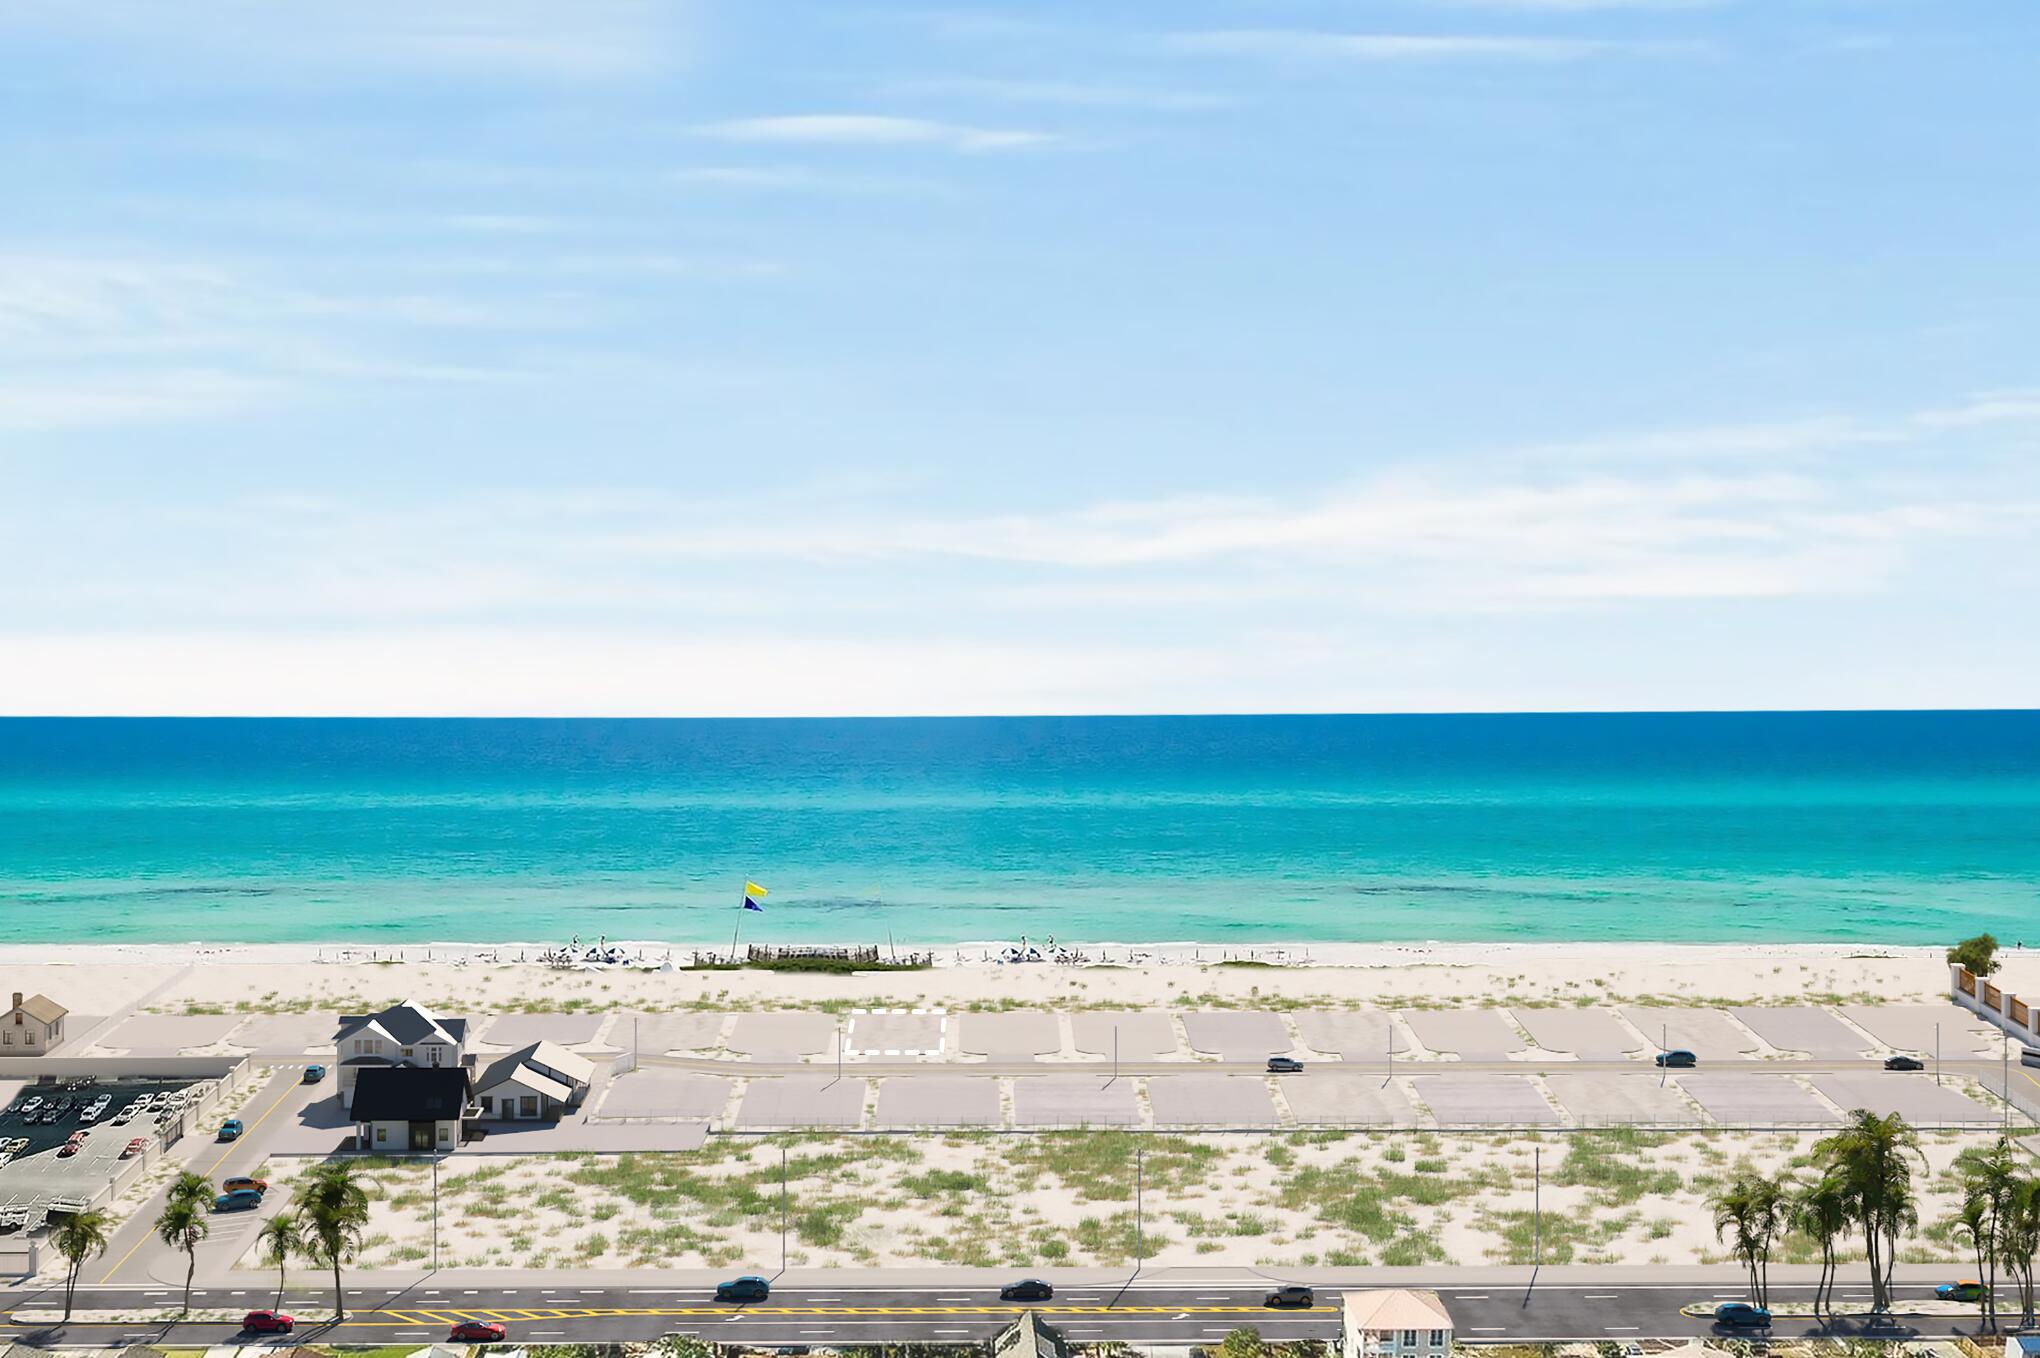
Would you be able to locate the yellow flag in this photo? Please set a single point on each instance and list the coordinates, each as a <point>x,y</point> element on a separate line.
<point>753,889</point>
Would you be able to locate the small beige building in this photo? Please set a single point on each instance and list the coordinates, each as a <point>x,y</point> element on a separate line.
<point>538,1083</point>
<point>33,1026</point>
<point>1396,1322</point>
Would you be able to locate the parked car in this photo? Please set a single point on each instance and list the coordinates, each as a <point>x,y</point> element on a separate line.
<point>30,1107</point>
<point>239,1181</point>
<point>1301,1297</point>
<point>240,1200</point>
<point>267,1322</point>
<point>1284,1065</point>
<point>2030,1057</point>
<point>1904,1063</point>
<point>135,1147</point>
<point>314,1074</point>
<point>1965,1289</point>
<point>478,1332</point>
<point>751,1288</point>
<point>1677,1060</point>
<point>231,1129</point>
<point>1027,1289</point>
<point>1742,1315</point>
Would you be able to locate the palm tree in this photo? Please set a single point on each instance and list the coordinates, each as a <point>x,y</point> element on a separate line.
<point>78,1237</point>
<point>1821,1210</point>
<point>1873,1155</point>
<point>2022,1238</point>
<point>1990,1183</point>
<point>279,1239</point>
<point>1753,1206</point>
<point>183,1222</point>
<point>332,1208</point>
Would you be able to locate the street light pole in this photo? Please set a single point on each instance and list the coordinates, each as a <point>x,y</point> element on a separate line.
<point>1663,1050</point>
<point>435,1212</point>
<point>782,1209</point>
<point>1937,1055</point>
<point>1139,1248</point>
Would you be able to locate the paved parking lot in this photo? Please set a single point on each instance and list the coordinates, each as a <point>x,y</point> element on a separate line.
<point>1143,1036</point>
<point>289,1035</point>
<point>1355,1035</point>
<point>654,1092</point>
<point>1739,1099</point>
<point>1339,1097</point>
<point>939,1101</point>
<point>1916,1098</point>
<point>1470,1034</point>
<point>785,1035</point>
<point>897,1034</point>
<point>803,1101</point>
<point>1913,1028</point>
<point>1815,1032</point>
<point>1600,1097</point>
<point>1707,1033</point>
<point>1074,1100</point>
<point>168,1034</point>
<point>1237,1034</point>
<point>1011,1037</point>
<point>1210,1101</point>
<point>1590,1034</point>
<point>521,1030</point>
<point>1484,1100</point>
<point>658,1034</point>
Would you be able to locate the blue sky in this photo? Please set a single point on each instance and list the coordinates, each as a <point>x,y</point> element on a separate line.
<point>633,357</point>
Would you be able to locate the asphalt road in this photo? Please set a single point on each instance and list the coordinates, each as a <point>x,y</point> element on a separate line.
<point>1168,1312</point>
<point>864,1068</point>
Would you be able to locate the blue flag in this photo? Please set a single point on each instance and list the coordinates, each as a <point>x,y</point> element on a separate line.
<point>750,904</point>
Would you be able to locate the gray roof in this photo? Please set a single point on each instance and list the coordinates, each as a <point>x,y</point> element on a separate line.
<point>403,1022</point>
<point>410,1094</point>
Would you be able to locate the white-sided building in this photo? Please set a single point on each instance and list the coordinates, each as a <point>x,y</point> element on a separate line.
<point>406,1034</point>
<point>536,1084</point>
<point>32,1026</point>
<point>404,1110</point>
<point>1396,1322</point>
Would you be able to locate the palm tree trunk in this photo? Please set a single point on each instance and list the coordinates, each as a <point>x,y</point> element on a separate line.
<point>70,1286</point>
<point>339,1298</point>
<point>190,1267</point>
<point>278,1304</point>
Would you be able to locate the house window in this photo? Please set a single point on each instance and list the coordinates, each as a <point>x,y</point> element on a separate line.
<point>528,1105</point>
<point>1437,1339</point>
<point>1409,1339</point>
<point>407,1052</point>
<point>382,1135</point>
<point>445,1134</point>
<point>487,1102</point>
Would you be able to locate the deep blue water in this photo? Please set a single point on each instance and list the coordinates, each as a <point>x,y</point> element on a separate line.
<point>1886,827</point>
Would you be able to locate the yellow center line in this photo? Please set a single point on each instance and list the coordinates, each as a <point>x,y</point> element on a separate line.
<point>289,1089</point>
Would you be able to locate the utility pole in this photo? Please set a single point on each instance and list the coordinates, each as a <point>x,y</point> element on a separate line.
<point>1664,1050</point>
<point>1139,1249</point>
<point>2006,1088</point>
<point>1115,1055</point>
<point>782,1209</point>
<point>633,1041</point>
<point>1537,1209</point>
<point>435,1211</point>
<point>1937,1055</point>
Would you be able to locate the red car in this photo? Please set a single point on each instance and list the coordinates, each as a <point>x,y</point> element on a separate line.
<point>267,1322</point>
<point>135,1147</point>
<point>478,1332</point>
<point>67,1149</point>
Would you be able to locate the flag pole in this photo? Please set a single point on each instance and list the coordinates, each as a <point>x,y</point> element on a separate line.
<point>741,898</point>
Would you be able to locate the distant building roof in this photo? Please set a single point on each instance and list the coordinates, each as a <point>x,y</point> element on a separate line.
<point>408,1024</point>
<point>41,1008</point>
<point>410,1093</point>
<point>1395,1308</point>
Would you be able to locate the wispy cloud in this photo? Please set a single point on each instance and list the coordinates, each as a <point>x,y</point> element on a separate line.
<point>872,130</point>
<point>1070,94</point>
<point>1322,45</point>
<point>799,179</point>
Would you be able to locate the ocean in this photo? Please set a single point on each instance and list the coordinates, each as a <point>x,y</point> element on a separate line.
<point>1913,827</point>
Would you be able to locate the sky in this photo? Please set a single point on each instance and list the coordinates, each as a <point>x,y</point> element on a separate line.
<point>747,357</point>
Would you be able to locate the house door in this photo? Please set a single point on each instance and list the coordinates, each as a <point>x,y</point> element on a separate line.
<point>421,1136</point>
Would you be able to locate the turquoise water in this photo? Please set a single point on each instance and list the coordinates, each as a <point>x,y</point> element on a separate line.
<point>1886,827</point>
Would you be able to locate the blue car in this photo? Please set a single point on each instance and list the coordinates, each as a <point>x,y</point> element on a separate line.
<point>231,1129</point>
<point>1742,1315</point>
<point>240,1200</point>
<point>1968,1289</point>
<point>314,1074</point>
<point>743,1289</point>
<point>1678,1060</point>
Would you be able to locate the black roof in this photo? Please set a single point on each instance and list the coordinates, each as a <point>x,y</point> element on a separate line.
<point>410,1093</point>
<point>403,1023</point>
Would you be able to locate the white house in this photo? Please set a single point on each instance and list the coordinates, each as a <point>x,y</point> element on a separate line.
<point>406,1034</point>
<point>540,1082</point>
<point>32,1026</point>
<point>400,1109</point>
<point>1396,1322</point>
